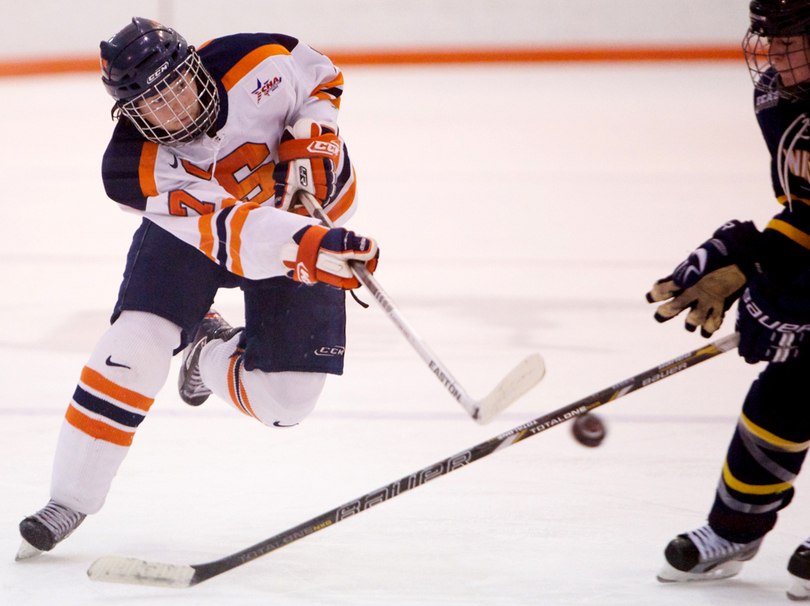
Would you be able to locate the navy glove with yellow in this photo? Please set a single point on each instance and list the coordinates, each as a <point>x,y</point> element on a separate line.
<point>773,321</point>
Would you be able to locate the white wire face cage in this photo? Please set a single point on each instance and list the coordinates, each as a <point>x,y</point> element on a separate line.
<point>785,71</point>
<point>172,112</point>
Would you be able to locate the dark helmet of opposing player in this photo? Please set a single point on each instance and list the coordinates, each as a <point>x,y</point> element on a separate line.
<point>776,47</point>
<point>159,83</point>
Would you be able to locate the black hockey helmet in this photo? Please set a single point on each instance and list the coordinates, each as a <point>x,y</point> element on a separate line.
<point>143,61</point>
<point>138,55</point>
<point>780,18</point>
<point>773,67</point>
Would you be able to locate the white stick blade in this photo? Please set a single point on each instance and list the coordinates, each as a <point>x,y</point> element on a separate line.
<point>131,571</point>
<point>514,386</point>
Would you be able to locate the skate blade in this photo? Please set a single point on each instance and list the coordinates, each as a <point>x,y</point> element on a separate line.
<point>799,591</point>
<point>26,551</point>
<point>668,574</point>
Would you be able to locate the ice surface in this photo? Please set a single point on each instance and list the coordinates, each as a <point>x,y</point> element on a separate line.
<point>519,208</point>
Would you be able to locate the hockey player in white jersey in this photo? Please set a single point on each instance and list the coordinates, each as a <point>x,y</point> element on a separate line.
<point>210,147</point>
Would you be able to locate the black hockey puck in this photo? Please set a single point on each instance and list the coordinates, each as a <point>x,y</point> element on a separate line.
<point>588,430</point>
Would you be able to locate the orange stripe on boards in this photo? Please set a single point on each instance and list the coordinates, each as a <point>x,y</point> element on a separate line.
<point>146,169</point>
<point>97,429</point>
<point>249,61</point>
<point>99,383</point>
<point>542,55</point>
<point>533,54</point>
<point>52,65</point>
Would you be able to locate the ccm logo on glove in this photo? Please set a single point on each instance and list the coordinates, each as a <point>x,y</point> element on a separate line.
<point>324,148</point>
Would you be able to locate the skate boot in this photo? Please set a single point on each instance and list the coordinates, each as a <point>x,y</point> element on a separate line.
<point>701,555</point>
<point>799,569</point>
<point>190,384</point>
<point>47,527</point>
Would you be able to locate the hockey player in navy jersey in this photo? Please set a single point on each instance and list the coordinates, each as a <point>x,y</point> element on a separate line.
<point>769,271</point>
<point>210,147</point>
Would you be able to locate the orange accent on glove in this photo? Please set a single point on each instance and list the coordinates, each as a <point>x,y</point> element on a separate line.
<point>322,146</point>
<point>335,248</point>
<point>308,249</point>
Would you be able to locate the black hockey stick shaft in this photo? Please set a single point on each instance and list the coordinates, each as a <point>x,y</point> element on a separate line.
<point>125,570</point>
<point>457,461</point>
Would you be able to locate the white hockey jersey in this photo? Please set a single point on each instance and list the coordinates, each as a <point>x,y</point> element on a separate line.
<point>216,193</point>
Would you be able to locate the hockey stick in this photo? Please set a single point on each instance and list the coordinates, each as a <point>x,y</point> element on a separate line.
<point>513,386</point>
<point>114,569</point>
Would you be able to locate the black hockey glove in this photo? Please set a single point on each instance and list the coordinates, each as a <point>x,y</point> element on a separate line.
<point>710,280</point>
<point>773,322</point>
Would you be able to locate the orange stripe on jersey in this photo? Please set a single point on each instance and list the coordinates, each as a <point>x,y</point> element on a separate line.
<point>146,169</point>
<point>238,219</point>
<point>320,93</point>
<point>249,61</point>
<point>207,236</point>
<point>96,381</point>
<point>97,429</point>
<point>336,82</point>
<point>345,202</point>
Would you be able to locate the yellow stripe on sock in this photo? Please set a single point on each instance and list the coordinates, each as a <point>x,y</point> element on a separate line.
<point>735,484</point>
<point>773,439</point>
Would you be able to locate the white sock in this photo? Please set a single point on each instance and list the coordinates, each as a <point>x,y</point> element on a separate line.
<point>125,372</point>
<point>279,399</point>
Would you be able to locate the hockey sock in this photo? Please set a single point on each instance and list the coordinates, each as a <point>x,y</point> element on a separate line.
<point>280,399</point>
<point>126,370</point>
<point>765,456</point>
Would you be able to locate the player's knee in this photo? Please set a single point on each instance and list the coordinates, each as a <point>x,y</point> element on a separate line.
<point>136,351</point>
<point>146,330</point>
<point>285,398</point>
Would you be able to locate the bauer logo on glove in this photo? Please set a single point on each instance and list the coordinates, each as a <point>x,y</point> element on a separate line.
<point>324,255</point>
<point>772,322</point>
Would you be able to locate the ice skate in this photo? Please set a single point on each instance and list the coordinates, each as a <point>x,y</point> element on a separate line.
<point>190,384</point>
<point>799,569</point>
<point>47,527</point>
<point>701,555</point>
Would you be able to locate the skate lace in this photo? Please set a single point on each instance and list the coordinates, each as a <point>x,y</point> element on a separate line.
<point>60,520</point>
<point>710,546</point>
